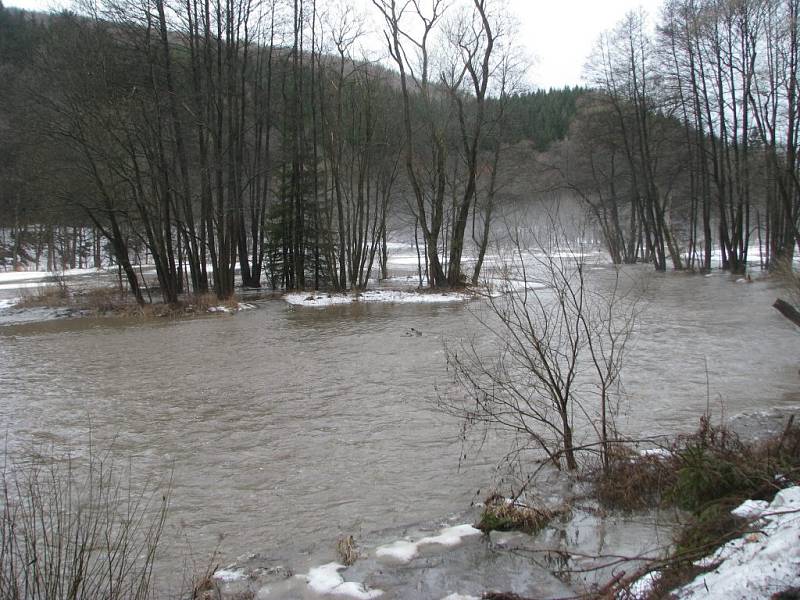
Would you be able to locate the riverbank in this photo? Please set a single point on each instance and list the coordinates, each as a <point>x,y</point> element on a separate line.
<point>674,525</point>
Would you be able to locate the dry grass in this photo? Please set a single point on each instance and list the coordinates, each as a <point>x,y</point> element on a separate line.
<point>501,515</point>
<point>103,300</point>
<point>347,550</point>
<point>109,301</point>
<point>44,296</point>
<point>100,301</point>
<point>633,481</point>
<point>200,303</point>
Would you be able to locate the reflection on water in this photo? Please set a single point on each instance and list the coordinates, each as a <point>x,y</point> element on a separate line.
<point>284,426</point>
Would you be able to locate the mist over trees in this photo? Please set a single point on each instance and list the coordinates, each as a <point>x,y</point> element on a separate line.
<point>257,143</point>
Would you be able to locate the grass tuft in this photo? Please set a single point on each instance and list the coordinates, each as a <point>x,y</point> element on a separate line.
<point>499,514</point>
<point>44,296</point>
<point>347,550</point>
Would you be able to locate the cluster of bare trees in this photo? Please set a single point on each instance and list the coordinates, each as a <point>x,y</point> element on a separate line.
<point>454,105</point>
<point>256,138</point>
<point>205,129</point>
<point>690,143</point>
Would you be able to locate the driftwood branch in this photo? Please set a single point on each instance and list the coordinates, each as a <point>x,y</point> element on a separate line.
<point>788,311</point>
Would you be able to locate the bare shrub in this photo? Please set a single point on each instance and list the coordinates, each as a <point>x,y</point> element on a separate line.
<point>559,340</point>
<point>77,530</point>
<point>635,482</point>
<point>707,473</point>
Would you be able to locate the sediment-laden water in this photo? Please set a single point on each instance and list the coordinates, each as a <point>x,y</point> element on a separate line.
<point>283,427</point>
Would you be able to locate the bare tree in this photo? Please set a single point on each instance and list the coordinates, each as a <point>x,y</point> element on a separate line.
<point>552,373</point>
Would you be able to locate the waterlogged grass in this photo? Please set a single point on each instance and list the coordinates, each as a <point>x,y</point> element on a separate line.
<point>109,301</point>
<point>500,514</point>
<point>77,529</point>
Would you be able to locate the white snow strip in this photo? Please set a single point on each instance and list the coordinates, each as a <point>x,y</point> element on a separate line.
<point>8,302</point>
<point>750,509</point>
<point>386,296</point>
<point>16,316</point>
<point>657,452</point>
<point>404,551</point>
<point>451,536</point>
<point>499,286</point>
<point>460,597</point>
<point>326,580</point>
<point>758,564</point>
<point>9,276</point>
<point>642,586</point>
<point>404,260</point>
<point>25,285</point>
<point>224,309</point>
<point>220,309</point>
<point>401,551</point>
<point>228,575</point>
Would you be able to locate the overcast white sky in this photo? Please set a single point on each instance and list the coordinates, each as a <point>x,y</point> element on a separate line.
<point>560,34</point>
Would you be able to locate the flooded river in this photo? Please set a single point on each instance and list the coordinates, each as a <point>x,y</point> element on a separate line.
<point>284,427</point>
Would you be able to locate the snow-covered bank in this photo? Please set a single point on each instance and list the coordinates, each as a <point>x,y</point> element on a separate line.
<point>374,296</point>
<point>760,563</point>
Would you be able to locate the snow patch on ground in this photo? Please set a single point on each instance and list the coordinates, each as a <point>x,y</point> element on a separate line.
<point>11,276</point>
<point>18,316</point>
<point>655,452</point>
<point>385,296</point>
<point>327,580</point>
<point>26,285</point>
<point>226,309</point>
<point>750,509</point>
<point>496,287</point>
<point>8,302</point>
<point>404,551</point>
<point>642,586</point>
<point>758,564</point>
<point>460,597</point>
<point>227,575</point>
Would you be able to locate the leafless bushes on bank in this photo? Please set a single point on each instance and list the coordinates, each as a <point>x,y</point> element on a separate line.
<point>77,529</point>
<point>552,372</point>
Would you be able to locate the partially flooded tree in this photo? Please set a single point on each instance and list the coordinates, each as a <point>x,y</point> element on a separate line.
<point>445,118</point>
<point>551,373</point>
<point>624,70</point>
<point>424,118</point>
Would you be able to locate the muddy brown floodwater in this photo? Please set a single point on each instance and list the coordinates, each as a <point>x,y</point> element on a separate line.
<point>283,427</point>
